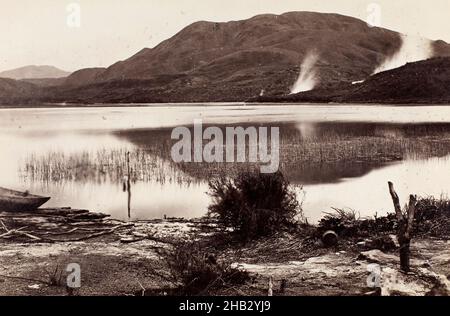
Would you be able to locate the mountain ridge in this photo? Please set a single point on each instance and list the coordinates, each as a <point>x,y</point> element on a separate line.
<point>238,61</point>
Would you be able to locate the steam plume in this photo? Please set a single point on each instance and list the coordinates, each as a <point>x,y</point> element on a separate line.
<point>307,79</point>
<point>413,49</point>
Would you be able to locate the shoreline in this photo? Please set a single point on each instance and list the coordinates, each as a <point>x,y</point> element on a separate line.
<point>215,104</point>
<point>126,258</point>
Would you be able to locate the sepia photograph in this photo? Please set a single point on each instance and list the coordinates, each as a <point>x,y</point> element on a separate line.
<point>201,149</point>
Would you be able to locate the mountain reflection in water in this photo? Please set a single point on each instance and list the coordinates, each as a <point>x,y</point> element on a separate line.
<point>339,163</point>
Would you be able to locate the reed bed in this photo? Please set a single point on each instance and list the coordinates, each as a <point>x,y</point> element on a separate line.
<point>102,165</point>
<point>151,160</point>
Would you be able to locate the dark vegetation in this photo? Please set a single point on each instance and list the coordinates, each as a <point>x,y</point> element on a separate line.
<point>198,272</point>
<point>432,218</point>
<point>254,204</point>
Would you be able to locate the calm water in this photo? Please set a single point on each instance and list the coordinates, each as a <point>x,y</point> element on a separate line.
<point>38,145</point>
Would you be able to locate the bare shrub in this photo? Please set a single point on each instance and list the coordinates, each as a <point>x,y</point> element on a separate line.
<point>254,204</point>
<point>200,273</point>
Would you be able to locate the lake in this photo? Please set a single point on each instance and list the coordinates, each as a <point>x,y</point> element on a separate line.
<point>337,156</point>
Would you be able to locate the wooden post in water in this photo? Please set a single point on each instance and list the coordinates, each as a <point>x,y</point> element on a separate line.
<point>129,184</point>
<point>405,225</point>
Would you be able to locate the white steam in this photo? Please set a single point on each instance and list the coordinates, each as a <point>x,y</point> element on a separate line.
<point>413,49</point>
<point>307,79</point>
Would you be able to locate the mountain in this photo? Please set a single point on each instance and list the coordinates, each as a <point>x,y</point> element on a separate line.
<point>423,82</point>
<point>233,61</point>
<point>275,42</point>
<point>238,60</point>
<point>34,72</point>
<point>242,60</point>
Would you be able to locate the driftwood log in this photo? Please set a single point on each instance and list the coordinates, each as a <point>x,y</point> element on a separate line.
<point>67,224</point>
<point>405,226</point>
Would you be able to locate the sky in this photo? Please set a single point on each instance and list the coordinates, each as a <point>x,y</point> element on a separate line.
<point>75,34</point>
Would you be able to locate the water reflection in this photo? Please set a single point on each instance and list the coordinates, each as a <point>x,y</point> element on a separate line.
<point>127,184</point>
<point>368,195</point>
<point>118,160</point>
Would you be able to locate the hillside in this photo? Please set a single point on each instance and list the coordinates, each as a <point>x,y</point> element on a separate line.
<point>423,82</point>
<point>12,91</point>
<point>83,77</point>
<point>414,83</point>
<point>34,72</point>
<point>46,82</point>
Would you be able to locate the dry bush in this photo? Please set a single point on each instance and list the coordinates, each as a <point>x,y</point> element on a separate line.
<point>200,273</point>
<point>254,204</point>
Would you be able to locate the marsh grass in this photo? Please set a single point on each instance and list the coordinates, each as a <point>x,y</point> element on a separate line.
<point>329,148</point>
<point>102,165</point>
<point>433,217</point>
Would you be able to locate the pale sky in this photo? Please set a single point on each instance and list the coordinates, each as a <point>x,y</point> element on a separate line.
<point>37,32</point>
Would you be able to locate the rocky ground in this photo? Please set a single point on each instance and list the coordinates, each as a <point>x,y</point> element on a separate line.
<point>118,258</point>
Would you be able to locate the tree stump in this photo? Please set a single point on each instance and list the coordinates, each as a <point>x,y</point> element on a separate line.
<point>405,226</point>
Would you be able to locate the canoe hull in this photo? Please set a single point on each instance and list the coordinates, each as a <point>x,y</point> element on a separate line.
<point>14,201</point>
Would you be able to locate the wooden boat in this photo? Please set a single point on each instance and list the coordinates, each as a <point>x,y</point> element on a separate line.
<point>15,201</point>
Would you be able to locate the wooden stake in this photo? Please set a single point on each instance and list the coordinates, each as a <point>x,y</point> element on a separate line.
<point>129,185</point>
<point>396,200</point>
